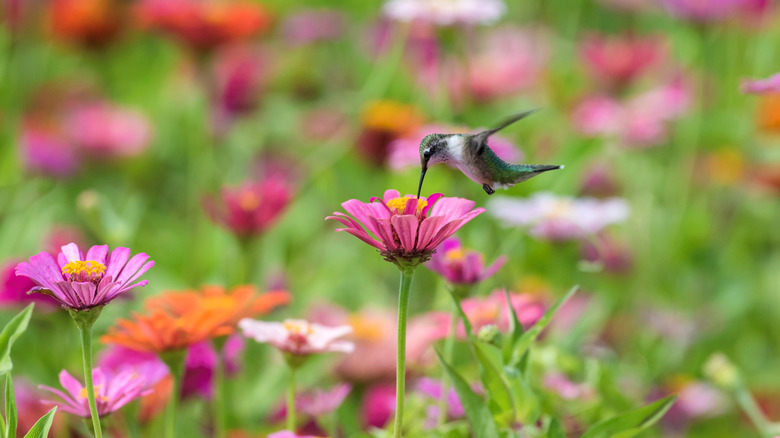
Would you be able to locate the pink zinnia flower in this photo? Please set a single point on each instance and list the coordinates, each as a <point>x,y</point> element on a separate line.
<point>404,152</point>
<point>251,208</point>
<point>319,403</point>
<point>297,336</point>
<point>406,230</point>
<point>619,60</point>
<point>288,434</point>
<point>104,130</point>
<point>80,282</point>
<point>433,389</point>
<point>111,393</point>
<point>461,266</point>
<point>560,218</point>
<point>44,150</point>
<point>762,86</point>
<point>14,288</point>
<point>446,12</point>
<point>493,310</point>
<point>378,405</point>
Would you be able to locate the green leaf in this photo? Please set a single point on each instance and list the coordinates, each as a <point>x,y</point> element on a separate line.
<point>527,404</point>
<point>466,323</point>
<point>515,330</point>
<point>632,422</point>
<point>477,412</point>
<point>530,336</point>
<point>497,390</point>
<point>41,427</point>
<point>555,430</point>
<point>10,407</point>
<point>12,330</point>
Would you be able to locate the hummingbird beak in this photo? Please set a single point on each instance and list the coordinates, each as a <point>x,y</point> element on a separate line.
<point>422,176</point>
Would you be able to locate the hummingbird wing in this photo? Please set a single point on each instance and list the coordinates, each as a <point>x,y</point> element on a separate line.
<point>480,140</point>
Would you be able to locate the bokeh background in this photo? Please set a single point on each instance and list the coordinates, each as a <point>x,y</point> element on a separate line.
<point>164,125</point>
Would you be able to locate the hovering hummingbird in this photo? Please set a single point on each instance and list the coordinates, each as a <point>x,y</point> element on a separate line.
<point>471,154</point>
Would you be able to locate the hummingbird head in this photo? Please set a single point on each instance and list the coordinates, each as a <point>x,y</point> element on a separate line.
<point>433,149</point>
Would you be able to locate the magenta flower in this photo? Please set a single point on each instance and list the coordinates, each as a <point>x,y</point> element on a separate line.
<point>406,230</point>
<point>704,10</point>
<point>461,266</point>
<point>378,405</point>
<point>240,74</point>
<point>288,434</point>
<point>80,282</point>
<point>560,218</point>
<point>111,393</point>
<point>404,152</point>
<point>298,337</point>
<point>14,288</point>
<point>251,208</point>
<point>446,12</point>
<point>433,389</point>
<point>762,86</point>
<point>44,151</point>
<point>617,61</point>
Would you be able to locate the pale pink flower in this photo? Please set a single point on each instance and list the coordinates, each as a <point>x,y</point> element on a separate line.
<point>559,218</point>
<point>508,60</point>
<point>82,282</point>
<point>599,115</point>
<point>111,392</point>
<point>104,130</point>
<point>493,310</point>
<point>307,27</point>
<point>563,386</point>
<point>404,152</point>
<point>406,230</point>
<point>619,60</point>
<point>318,402</point>
<point>297,336</point>
<point>705,10</point>
<point>446,12</point>
<point>762,86</point>
<point>461,266</point>
<point>288,434</point>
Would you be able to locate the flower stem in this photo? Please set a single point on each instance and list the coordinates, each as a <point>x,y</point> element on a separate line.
<point>753,411</point>
<point>291,401</point>
<point>219,396</point>
<point>449,345</point>
<point>175,361</point>
<point>407,274</point>
<point>86,352</point>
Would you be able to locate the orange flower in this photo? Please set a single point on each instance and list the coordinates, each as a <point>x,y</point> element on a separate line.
<point>88,22</point>
<point>769,112</point>
<point>204,25</point>
<point>161,332</point>
<point>234,305</point>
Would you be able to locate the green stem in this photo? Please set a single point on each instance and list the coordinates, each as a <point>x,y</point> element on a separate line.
<point>219,395</point>
<point>407,274</point>
<point>291,401</point>
<point>449,345</point>
<point>86,352</point>
<point>751,409</point>
<point>175,361</point>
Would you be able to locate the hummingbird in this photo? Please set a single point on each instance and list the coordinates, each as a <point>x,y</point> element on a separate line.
<point>471,154</point>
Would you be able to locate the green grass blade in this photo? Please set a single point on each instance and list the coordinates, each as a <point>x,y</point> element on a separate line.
<point>10,333</point>
<point>631,423</point>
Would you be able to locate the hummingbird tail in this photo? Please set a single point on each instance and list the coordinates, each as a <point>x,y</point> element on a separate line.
<point>528,171</point>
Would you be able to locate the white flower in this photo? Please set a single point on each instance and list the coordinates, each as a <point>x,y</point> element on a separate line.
<point>297,336</point>
<point>446,12</point>
<point>559,218</point>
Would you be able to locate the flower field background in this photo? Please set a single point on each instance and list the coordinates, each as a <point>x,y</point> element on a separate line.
<point>167,168</point>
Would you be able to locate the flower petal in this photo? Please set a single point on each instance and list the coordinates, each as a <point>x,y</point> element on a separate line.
<point>70,253</point>
<point>98,254</point>
<point>117,261</point>
<point>405,227</point>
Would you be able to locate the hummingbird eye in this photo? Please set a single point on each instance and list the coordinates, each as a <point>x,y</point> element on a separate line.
<point>427,154</point>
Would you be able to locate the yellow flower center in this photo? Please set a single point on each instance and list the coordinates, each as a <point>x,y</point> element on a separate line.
<point>87,270</point>
<point>398,205</point>
<point>390,116</point>
<point>365,329</point>
<point>560,209</point>
<point>98,395</point>
<point>297,327</point>
<point>455,255</point>
<point>249,200</point>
